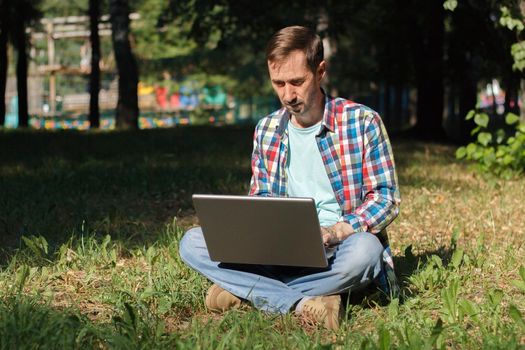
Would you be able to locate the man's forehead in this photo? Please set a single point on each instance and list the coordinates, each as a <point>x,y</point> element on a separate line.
<point>296,57</point>
<point>295,68</point>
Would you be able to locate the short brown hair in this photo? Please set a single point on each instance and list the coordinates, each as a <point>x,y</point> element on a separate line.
<point>294,38</point>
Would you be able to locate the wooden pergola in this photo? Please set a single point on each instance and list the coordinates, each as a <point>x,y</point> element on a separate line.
<point>67,28</point>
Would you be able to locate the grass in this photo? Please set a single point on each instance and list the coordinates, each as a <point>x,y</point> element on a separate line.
<point>90,224</point>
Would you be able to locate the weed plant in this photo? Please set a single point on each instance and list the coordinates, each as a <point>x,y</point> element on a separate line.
<point>90,225</point>
<point>496,152</point>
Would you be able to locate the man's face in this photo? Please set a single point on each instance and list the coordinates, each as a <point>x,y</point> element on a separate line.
<point>297,87</point>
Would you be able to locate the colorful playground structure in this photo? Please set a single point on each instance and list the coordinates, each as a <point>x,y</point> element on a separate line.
<point>241,113</point>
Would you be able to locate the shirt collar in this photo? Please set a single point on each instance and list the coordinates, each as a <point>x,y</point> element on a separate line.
<point>329,112</point>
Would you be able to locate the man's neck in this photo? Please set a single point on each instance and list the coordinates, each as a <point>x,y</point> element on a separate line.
<point>313,117</point>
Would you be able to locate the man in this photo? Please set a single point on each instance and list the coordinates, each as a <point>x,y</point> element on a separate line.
<point>333,150</point>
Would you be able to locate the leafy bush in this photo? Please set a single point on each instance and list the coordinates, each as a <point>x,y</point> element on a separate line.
<point>494,150</point>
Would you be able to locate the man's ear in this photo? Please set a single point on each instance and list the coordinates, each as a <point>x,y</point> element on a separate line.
<point>321,70</point>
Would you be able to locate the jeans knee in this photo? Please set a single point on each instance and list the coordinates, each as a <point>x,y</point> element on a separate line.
<point>189,242</point>
<point>364,254</point>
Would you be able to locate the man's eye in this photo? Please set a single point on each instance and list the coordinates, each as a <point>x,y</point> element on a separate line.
<point>279,84</point>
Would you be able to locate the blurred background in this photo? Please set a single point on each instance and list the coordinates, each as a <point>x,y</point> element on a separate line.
<point>423,65</point>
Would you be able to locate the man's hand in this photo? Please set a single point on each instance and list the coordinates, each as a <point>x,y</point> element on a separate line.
<point>333,235</point>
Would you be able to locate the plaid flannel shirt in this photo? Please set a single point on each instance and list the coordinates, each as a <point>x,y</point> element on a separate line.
<point>357,157</point>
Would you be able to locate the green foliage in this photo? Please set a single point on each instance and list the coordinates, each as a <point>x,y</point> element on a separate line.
<point>518,53</point>
<point>431,277</point>
<point>161,35</point>
<point>203,38</point>
<point>514,23</point>
<point>493,150</point>
<point>516,316</point>
<point>27,324</point>
<point>450,311</point>
<point>38,246</point>
<point>22,274</point>
<point>450,5</point>
<point>59,8</point>
<point>520,284</point>
<point>456,258</point>
<point>508,21</point>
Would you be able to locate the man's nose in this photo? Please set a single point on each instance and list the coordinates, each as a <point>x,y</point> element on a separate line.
<point>289,93</point>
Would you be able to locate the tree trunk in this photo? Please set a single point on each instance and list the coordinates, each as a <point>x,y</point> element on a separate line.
<point>21,66</point>
<point>127,107</point>
<point>397,110</point>
<point>468,95</point>
<point>94,76</point>
<point>522,81</point>
<point>4,6</point>
<point>512,85</point>
<point>522,95</point>
<point>464,87</point>
<point>386,115</point>
<point>429,71</point>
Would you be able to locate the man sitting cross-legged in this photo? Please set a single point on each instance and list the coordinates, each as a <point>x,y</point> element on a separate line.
<point>330,149</point>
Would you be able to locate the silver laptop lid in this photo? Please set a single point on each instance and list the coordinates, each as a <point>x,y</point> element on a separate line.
<point>261,230</point>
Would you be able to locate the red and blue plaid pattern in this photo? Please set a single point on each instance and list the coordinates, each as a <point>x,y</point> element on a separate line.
<point>357,156</point>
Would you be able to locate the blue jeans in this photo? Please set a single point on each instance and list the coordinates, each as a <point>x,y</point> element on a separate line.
<point>356,262</point>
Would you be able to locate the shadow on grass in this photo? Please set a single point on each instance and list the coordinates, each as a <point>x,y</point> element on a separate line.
<point>25,324</point>
<point>32,147</point>
<point>128,184</point>
<point>28,324</point>
<point>405,266</point>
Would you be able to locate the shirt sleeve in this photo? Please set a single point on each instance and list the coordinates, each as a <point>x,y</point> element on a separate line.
<point>380,192</point>
<point>260,182</point>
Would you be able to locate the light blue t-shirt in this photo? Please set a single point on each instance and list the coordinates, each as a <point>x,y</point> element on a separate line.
<point>306,173</point>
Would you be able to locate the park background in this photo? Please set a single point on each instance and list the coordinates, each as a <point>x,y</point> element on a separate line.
<point>90,220</point>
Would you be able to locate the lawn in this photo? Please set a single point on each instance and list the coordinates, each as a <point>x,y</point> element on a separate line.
<point>90,224</point>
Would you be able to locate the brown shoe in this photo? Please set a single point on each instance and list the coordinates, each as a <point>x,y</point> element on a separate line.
<point>325,310</point>
<point>218,299</point>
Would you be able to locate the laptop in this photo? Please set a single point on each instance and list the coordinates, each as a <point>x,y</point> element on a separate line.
<point>261,230</point>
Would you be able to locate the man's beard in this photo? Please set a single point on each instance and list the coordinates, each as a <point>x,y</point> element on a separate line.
<point>296,108</point>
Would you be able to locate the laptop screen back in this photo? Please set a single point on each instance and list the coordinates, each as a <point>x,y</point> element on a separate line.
<point>261,230</point>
